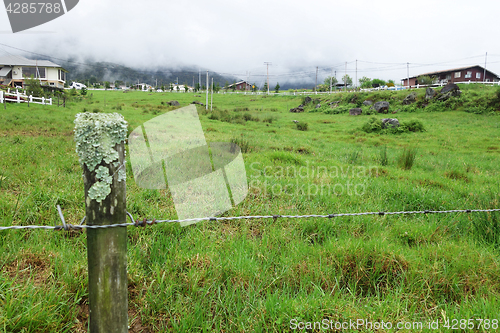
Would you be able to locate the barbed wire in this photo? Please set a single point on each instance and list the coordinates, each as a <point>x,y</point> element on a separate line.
<point>144,222</point>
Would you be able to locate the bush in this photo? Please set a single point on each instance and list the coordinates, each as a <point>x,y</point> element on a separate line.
<point>383,159</point>
<point>302,126</point>
<point>269,119</point>
<point>339,109</point>
<point>407,158</point>
<point>242,143</point>
<point>413,126</point>
<point>373,125</point>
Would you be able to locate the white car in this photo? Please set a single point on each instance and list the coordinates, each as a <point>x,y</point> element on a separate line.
<point>159,90</point>
<point>77,85</point>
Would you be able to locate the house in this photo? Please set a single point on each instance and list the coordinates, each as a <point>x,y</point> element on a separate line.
<point>143,86</point>
<point>241,85</point>
<point>463,74</point>
<point>181,88</point>
<point>14,70</point>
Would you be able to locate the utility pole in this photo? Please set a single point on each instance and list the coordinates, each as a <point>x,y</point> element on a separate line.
<point>331,78</point>
<point>408,74</point>
<point>484,72</point>
<point>356,79</point>
<point>267,63</point>
<point>345,76</point>
<point>199,74</point>
<point>212,95</point>
<point>316,84</point>
<point>206,103</point>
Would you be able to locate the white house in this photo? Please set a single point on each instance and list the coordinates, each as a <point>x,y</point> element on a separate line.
<point>14,69</point>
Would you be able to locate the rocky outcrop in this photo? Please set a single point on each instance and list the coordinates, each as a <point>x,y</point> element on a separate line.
<point>381,107</point>
<point>450,90</point>
<point>298,109</point>
<point>410,99</point>
<point>430,93</point>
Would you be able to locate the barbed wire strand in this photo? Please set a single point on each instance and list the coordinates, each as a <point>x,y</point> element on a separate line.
<point>138,223</point>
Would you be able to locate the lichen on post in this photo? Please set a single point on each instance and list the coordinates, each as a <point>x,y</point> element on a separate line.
<point>100,145</point>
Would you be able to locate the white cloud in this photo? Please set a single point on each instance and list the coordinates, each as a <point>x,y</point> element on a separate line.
<point>239,36</point>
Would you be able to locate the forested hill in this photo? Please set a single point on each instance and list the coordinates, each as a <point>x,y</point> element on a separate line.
<point>91,72</point>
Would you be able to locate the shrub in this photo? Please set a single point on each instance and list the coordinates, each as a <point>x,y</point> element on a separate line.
<point>383,159</point>
<point>302,126</point>
<point>373,125</point>
<point>269,119</point>
<point>407,158</point>
<point>340,109</point>
<point>413,126</point>
<point>242,143</point>
<point>408,108</point>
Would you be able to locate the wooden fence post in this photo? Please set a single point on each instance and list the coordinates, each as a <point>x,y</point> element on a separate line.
<point>100,141</point>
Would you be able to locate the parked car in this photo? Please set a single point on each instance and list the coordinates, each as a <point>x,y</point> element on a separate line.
<point>77,85</point>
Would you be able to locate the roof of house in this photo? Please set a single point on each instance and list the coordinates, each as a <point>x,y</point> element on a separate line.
<point>239,82</point>
<point>451,70</point>
<point>15,60</point>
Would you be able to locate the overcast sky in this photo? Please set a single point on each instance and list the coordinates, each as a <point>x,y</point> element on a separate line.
<point>237,37</point>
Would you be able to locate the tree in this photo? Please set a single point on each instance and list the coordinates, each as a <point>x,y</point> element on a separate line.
<point>34,87</point>
<point>83,91</point>
<point>265,87</point>
<point>118,83</point>
<point>365,82</point>
<point>277,88</point>
<point>425,79</point>
<point>226,86</point>
<point>197,87</point>
<point>254,87</point>
<point>347,80</point>
<point>186,87</point>
<point>330,80</point>
<point>217,87</point>
<point>107,85</point>
<point>233,87</point>
<point>171,87</point>
<point>378,83</point>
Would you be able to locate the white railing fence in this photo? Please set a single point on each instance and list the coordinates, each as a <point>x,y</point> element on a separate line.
<point>18,97</point>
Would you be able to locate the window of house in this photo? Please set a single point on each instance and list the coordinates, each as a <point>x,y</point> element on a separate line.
<point>448,77</point>
<point>478,75</point>
<point>61,75</point>
<point>468,75</point>
<point>36,72</point>
<point>457,74</point>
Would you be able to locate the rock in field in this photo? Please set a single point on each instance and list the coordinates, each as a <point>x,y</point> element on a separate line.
<point>429,93</point>
<point>381,107</point>
<point>298,109</point>
<point>355,111</point>
<point>392,122</point>
<point>411,98</point>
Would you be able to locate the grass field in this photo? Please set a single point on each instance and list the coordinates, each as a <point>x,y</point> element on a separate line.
<point>265,275</point>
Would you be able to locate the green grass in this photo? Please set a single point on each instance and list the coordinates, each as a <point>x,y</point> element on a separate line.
<point>257,275</point>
